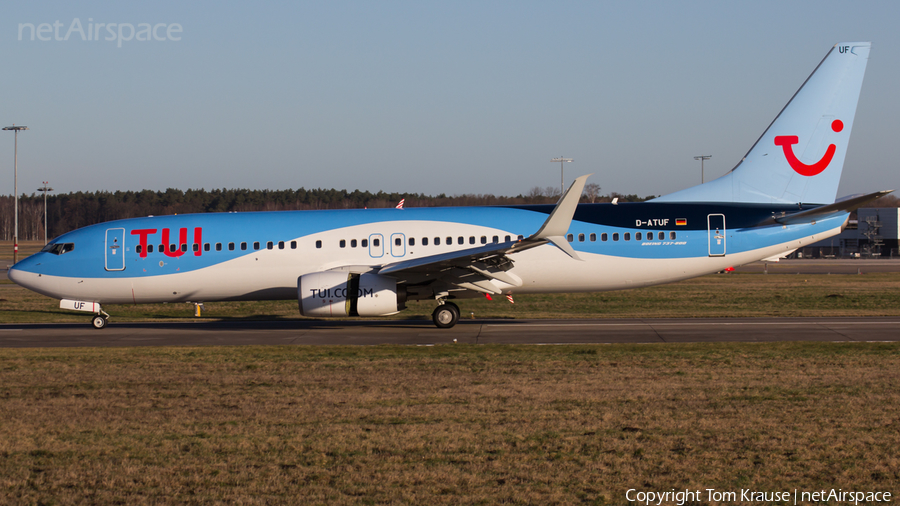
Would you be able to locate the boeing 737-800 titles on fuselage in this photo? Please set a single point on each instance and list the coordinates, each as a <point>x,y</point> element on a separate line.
<point>369,262</point>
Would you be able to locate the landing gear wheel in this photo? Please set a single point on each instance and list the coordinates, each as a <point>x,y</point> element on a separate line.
<point>446,315</point>
<point>99,321</point>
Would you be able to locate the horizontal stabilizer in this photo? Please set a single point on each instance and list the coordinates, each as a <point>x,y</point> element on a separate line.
<point>821,212</point>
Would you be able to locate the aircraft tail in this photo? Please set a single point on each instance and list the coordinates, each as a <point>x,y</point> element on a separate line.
<point>800,156</point>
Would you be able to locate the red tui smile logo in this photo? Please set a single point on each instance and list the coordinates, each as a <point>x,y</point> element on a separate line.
<point>786,141</point>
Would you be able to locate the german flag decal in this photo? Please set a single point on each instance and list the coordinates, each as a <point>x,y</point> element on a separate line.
<point>680,221</point>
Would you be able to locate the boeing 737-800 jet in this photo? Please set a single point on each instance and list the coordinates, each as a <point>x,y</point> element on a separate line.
<point>369,262</point>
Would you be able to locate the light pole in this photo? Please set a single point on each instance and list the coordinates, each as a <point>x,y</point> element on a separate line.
<point>16,188</point>
<point>702,159</point>
<point>561,160</point>
<point>45,189</point>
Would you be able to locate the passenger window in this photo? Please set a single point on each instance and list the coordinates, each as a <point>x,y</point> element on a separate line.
<point>243,246</point>
<point>280,244</point>
<point>270,245</point>
<point>424,241</point>
<point>483,239</point>
<point>461,240</point>
<point>627,236</point>
<point>637,236</point>
<point>604,237</point>
<point>506,238</point>
<point>521,237</point>
<point>570,238</point>
<point>615,236</point>
<point>184,247</point>
<point>343,243</point>
<point>398,241</point>
<point>195,247</point>
<point>471,239</point>
<point>376,242</point>
<point>256,245</point>
<point>662,235</point>
<point>449,241</point>
<point>580,237</point>
<point>137,249</point>
<point>672,235</point>
<point>319,244</point>
<point>231,246</point>
<point>364,243</point>
<point>352,243</point>
<point>412,241</point>
<point>206,247</point>
<point>593,237</point>
<point>218,246</point>
<point>149,248</point>
<point>495,239</point>
<point>293,244</point>
<point>437,241</point>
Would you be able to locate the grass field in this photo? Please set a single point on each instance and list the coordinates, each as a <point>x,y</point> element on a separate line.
<point>454,424</point>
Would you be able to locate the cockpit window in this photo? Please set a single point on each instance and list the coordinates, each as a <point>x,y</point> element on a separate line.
<point>58,248</point>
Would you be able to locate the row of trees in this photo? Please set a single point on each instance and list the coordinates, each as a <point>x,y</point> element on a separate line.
<point>69,211</point>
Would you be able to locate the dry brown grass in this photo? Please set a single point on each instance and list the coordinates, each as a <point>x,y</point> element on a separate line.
<point>443,425</point>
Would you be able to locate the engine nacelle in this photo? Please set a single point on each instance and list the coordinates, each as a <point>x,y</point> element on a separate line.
<point>343,294</point>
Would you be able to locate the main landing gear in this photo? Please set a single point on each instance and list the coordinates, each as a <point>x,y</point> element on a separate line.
<point>446,315</point>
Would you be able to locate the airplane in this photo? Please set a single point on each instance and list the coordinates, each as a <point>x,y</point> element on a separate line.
<point>370,262</point>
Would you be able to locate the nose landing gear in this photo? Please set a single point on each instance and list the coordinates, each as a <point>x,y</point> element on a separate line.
<point>100,318</point>
<point>100,321</point>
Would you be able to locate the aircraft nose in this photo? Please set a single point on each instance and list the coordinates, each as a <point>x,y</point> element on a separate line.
<point>14,275</point>
<point>24,278</point>
<point>19,277</point>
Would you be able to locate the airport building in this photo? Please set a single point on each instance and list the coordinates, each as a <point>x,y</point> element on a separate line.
<point>873,234</point>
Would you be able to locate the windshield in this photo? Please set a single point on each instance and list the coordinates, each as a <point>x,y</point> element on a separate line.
<point>58,248</point>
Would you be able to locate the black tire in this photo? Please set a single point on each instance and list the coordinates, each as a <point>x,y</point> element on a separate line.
<point>446,315</point>
<point>99,322</point>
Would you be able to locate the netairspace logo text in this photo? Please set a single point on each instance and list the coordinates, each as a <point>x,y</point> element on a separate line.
<point>118,32</point>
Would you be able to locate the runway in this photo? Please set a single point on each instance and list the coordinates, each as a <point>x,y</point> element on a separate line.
<point>423,333</point>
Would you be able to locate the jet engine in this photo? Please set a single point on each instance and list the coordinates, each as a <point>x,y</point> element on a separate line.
<point>337,293</point>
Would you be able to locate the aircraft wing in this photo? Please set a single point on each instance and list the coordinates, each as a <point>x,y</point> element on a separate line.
<point>481,268</point>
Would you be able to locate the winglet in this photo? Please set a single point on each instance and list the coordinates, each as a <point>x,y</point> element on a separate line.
<point>557,224</point>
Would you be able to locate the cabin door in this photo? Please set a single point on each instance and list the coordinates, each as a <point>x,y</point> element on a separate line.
<point>115,249</point>
<point>716,234</point>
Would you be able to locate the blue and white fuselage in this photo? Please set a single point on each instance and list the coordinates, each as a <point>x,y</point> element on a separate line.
<point>257,256</point>
<point>369,262</point>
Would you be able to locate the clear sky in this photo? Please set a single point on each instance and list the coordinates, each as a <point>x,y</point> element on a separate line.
<point>424,96</point>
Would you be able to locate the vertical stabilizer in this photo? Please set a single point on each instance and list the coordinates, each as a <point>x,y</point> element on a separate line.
<point>800,156</point>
